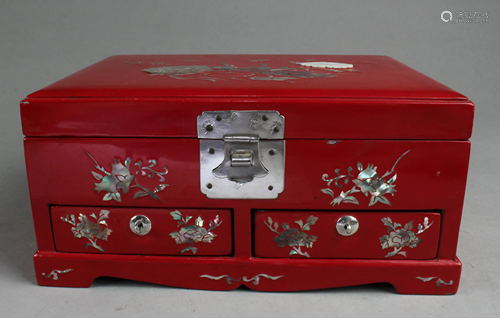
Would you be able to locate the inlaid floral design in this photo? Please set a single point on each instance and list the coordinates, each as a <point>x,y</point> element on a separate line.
<point>288,74</point>
<point>367,182</point>
<point>400,237</point>
<point>121,178</point>
<point>295,238</point>
<point>89,229</point>
<point>191,234</point>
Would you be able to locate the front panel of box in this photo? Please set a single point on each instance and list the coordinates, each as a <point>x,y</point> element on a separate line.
<point>406,197</point>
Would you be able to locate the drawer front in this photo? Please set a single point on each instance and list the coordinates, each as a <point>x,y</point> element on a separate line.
<point>379,235</point>
<point>183,232</point>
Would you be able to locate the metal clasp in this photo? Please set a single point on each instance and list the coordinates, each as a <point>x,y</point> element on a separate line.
<point>242,154</point>
<point>241,159</point>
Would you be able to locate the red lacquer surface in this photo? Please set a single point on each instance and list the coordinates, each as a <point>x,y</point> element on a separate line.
<point>114,115</point>
<point>158,241</point>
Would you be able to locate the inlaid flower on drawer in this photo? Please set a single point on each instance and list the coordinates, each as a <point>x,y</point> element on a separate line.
<point>400,237</point>
<point>292,237</point>
<point>90,230</point>
<point>191,234</point>
<point>295,237</point>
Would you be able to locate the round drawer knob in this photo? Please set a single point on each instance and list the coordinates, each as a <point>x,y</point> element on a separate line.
<point>347,225</point>
<point>140,224</point>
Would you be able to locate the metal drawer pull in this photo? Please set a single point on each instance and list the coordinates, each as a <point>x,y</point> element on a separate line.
<point>140,225</point>
<point>347,225</point>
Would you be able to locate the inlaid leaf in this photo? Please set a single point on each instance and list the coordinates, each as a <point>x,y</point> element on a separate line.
<point>117,196</point>
<point>300,223</point>
<point>349,170</point>
<point>285,226</point>
<point>337,171</point>
<point>396,225</point>
<point>269,220</point>
<point>373,200</point>
<point>346,181</point>
<point>360,166</point>
<point>96,175</point>
<point>311,220</point>
<point>402,253</point>
<point>383,200</point>
<point>328,191</point>
<point>391,180</point>
<point>127,162</point>
<point>387,222</point>
<point>188,218</point>
<point>392,253</point>
<point>313,238</point>
<point>293,252</point>
<point>108,196</point>
<point>415,242</point>
<point>176,215</point>
<point>94,216</point>
<point>140,194</point>
<point>276,226</point>
<point>351,199</point>
<point>409,226</point>
<point>104,214</point>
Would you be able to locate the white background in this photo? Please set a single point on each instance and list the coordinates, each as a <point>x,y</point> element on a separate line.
<point>44,41</point>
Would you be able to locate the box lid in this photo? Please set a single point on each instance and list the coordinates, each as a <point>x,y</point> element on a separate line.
<point>320,96</point>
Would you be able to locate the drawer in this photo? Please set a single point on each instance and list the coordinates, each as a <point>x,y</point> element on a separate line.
<point>183,232</point>
<point>379,235</point>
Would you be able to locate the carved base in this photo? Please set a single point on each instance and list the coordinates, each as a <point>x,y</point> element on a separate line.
<point>432,277</point>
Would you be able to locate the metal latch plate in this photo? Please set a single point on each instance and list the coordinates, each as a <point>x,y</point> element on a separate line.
<point>233,146</point>
<point>272,155</point>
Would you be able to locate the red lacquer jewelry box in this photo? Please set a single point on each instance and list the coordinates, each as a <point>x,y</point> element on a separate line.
<point>277,172</point>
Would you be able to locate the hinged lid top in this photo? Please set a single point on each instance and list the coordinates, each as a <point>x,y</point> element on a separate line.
<point>321,97</point>
<point>249,76</point>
